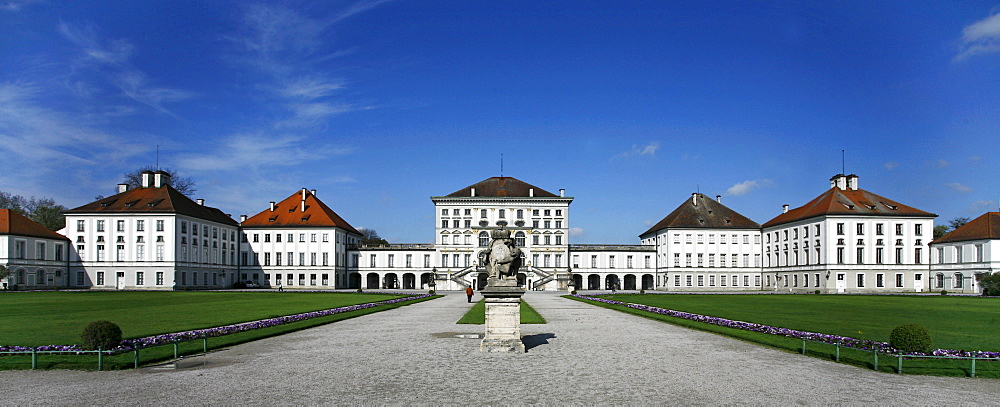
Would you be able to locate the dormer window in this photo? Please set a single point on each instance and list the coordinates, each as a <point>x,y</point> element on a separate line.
<point>130,204</point>
<point>105,204</point>
<point>272,219</point>
<point>154,203</point>
<point>305,218</point>
<point>892,207</point>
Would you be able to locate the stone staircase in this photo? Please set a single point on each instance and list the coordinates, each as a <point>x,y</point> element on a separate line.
<point>457,277</point>
<point>546,277</point>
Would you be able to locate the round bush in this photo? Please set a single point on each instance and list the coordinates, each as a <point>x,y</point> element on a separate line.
<point>911,338</point>
<point>642,291</point>
<point>431,292</point>
<point>360,291</point>
<point>101,335</point>
<point>573,292</point>
<point>944,292</point>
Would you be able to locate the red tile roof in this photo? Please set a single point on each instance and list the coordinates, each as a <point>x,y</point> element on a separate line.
<point>289,213</point>
<point>855,202</point>
<point>154,200</point>
<point>13,223</point>
<point>986,226</point>
<point>707,213</point>
<point>502,187</point>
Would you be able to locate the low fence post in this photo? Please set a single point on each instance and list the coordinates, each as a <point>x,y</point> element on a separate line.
<point>838,351</point>
<point>100,359</point>
<point>899,364</point>
<point>204,342</point>
<point>34,358</point>
<point>973,370</point>
<point>135,354</point>
<point>803,346</point>
<point>175,349</point>
<point>875,352</point>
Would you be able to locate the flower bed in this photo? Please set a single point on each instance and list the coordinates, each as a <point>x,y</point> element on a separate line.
<point>129,344</point>
<point>883,347</point>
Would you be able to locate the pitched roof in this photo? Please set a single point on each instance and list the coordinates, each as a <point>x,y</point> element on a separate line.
<point>701,211</point>
<point>986,226</point>
<point>13,223</point>
<point>151,200</point>
<point>289,213</point>
<point>502,187</point>
<point>855,202</point>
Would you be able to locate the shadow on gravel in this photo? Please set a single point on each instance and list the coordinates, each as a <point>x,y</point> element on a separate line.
<point>531,341</point>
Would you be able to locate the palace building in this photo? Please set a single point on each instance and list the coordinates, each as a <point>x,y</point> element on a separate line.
<point>846,240</point>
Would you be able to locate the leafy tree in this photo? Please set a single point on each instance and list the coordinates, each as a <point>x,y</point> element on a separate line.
<point>940,230</point>
<point>4,273</point>
<point>371,237</point>
<point>990,283</point>
<point>44,211</point>
<point>184,185</point>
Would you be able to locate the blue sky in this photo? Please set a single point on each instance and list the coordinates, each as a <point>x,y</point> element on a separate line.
<point>629,105</point>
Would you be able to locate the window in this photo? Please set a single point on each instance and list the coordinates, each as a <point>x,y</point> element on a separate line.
<point>878,255</point>
<point>899,229</point>
<point>711,260</point>
<point>701,281</point>
<point>120,225</point>
<point>958,280</point>
<point>444,238</point>
<point>391,260</point>
<point>688,280</point>
<point>840,229</point>
<point>558,239</point>
<point>503,214</point>
<point>677,259</point>
<point>79,225</point>
<point>100,252</point>
<point>861,229</point>
<point>159,225</point>
<point>677,280</point>
<point>140,278</point>
<point>100,225</point>
<point>534,239</point>
<point>520,213</point>
<point>444,223</point>
<point>861,280</point>
<point>701,238</point>
<point>687,260</point>
<point>290,259</point>
<point>918,229</point>
<point>302,258</point>
<point>484,239</point>
<point>372,262</point>
<point>302,237</point>
<point>59,252</point>
<point>312,237</point>
<point>558,212</point>
<point>140,225</point>
<point>519,239</point>
<point>880,280</point>
<point>267,238</point>
<point>711,281</point>
<point>899,279</point>
<point>40,251</point>
<point>159,278</point>
<point>326,237</point>
<point>701,260</point>
<point>140,253</point>
<point>256,238</point>
<point>427,260</point>
<point>267,259</point>
<point>840,255</point>
<point>878,229</point>
<point>611,261</point>
<point>277,257</point>
<point>687,238</point>
<point>100,278</point>
<point>482,213</point>
<point>159,252</point>
<point>916,256</point>
<point>312,259</point>
<point>861,255</point>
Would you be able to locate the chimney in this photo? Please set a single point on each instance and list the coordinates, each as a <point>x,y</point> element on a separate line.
<point>694,199</point>
<point>531,192</point>
<point>473,192</point>
<point>161,179</point>
<point>562,192</point>
<point>784,208</point>
<point>852,182</point>
<point>147,179</point>
<point>313,192</point>
<point>838,181</point>
<point>201,202</point>
<point>718,198</point>
<point>304,194</point>
<point>243,218</point>
<point>122,188</point>
<point>303,205</point>
<point>272,206</point>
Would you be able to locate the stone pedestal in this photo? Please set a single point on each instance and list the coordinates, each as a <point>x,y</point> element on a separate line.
<point>503,319</point>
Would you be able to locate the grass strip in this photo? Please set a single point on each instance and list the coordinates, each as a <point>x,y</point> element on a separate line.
<point>477,315</point>
<point>886,363</point>
<point>166,352</point>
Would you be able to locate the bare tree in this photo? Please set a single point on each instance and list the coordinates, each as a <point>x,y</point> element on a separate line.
<point>184,185</point>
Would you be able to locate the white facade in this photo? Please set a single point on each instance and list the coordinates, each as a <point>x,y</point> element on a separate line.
<point>613,267</point>
<point>958,257</point>
<point>126,242</point>
<point>708,259</point>
<point>34,262</point>
<point>865,243</point>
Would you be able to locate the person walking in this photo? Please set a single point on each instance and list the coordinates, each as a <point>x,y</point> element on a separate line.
<point>468,293</point>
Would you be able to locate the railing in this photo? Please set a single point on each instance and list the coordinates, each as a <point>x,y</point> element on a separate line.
<point>899,357</point>
<point>34,352</point>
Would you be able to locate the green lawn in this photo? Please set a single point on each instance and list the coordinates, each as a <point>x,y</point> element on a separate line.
<point>58,318</point>
<point>954,322</point>
<point>477,315</point>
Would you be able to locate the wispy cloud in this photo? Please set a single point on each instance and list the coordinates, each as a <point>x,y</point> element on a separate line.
<point>958,187</point>
<point>259,150</point>
<point>748,186</point>
<point>981,37</point>
<point>983,206</point>
<point>938,163</point>
<point>16,5</point>
<point>112,56</point>
<point>575,232</point>
<point>891,165</point>
<point>648,150</point>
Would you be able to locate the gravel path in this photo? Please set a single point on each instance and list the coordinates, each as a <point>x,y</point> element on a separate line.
<point>585,355</point>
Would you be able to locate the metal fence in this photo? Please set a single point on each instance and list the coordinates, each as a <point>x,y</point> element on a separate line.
<point>899,357</point>
<point>35,353</point>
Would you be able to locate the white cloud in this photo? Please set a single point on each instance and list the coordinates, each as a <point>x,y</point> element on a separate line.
<point>957,187</point>
<point>938,163</point>
<point>639,151</point>
<point>981,37</point>
<point>16,5</point>
<point>747,186</point>
<point>575,232</point>
<point>891,165</point>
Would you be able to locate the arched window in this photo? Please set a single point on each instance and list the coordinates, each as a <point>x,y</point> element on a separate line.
<point>484,239</point>
<point>520,213</point>
<point>958,280</point>
<point>519,239</point>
